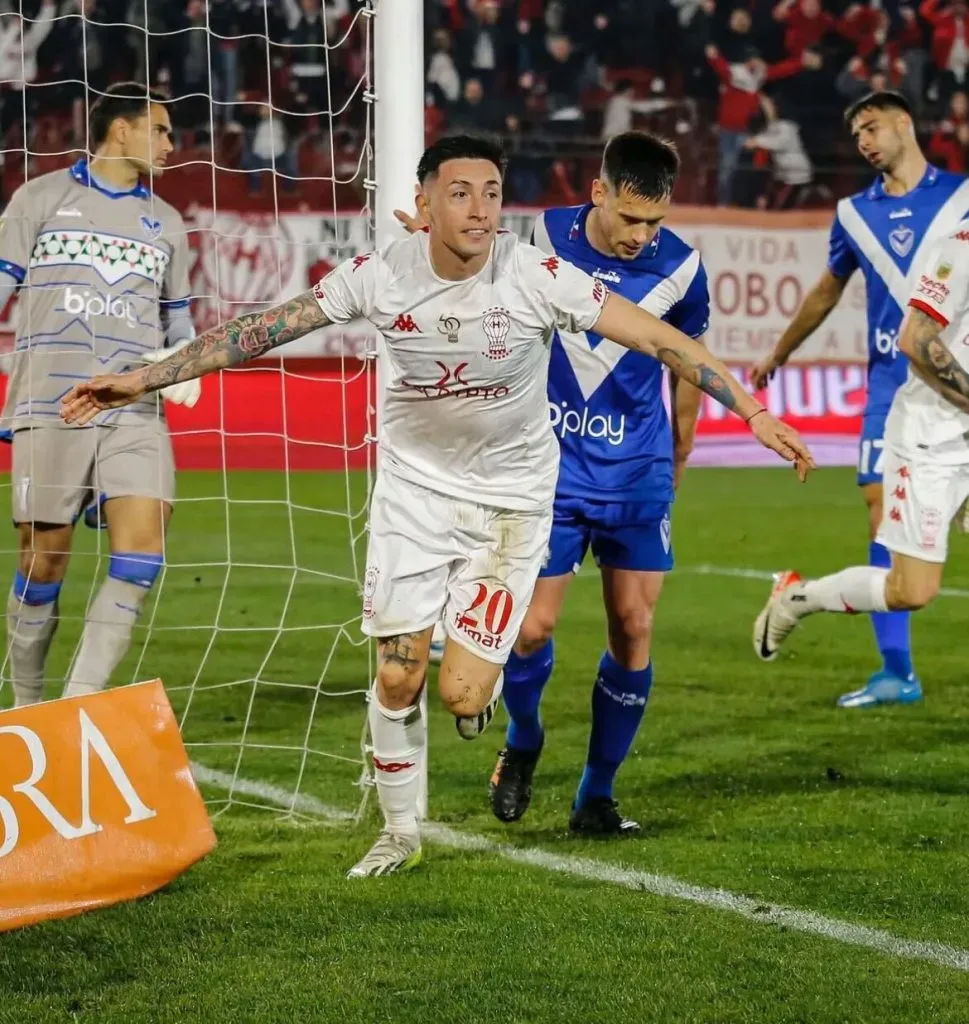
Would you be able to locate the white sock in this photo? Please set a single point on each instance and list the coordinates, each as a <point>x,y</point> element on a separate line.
<point>858,589</point>
<point>398,739</point>
<point>107,635</point>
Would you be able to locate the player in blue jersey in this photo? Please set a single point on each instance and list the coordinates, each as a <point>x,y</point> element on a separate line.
<point>884,232</point>
<point>620,461</point>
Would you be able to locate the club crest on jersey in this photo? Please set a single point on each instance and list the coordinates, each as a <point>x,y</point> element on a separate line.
<point>449,326</point>
<point>151,227</point>
<point>496,324</point>
<point>369,589</point>
<point>943,270</point>
<point>901,239</point>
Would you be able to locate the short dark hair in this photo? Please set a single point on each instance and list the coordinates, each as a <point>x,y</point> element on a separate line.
<point>886,99</point>
<point>641,163</point>
<point>129,100</point>
<point>460,147</point>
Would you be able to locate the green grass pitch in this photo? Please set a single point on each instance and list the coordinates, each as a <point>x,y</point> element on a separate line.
<point>746,777</point>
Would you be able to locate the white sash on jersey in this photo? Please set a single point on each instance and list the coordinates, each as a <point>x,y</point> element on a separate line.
<point>900,285</point>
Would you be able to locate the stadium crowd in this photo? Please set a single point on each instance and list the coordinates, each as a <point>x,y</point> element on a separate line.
<point>752,91</point>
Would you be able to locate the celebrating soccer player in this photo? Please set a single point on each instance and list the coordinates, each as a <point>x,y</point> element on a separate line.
<point>462,507</point>
<point>101,265</point>
<point>926,472</point>
<point>886,231</point>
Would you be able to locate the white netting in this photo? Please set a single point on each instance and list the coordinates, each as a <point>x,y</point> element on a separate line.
<point>254,623</point>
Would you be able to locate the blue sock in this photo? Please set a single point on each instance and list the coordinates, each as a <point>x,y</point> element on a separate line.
<point>891,628</point>
<point>618,704</point>
<point>525,678</point>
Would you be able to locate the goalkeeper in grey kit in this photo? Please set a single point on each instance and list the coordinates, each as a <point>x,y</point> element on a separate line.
<point>101,265</point>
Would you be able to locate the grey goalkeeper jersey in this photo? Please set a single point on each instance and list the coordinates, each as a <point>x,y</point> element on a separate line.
<point>99,272</point>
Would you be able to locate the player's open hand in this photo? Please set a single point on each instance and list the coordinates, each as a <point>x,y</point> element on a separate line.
<point>411,221</point>
<point>109,391</point>
<point>761,372</point>
<point>784,440</point>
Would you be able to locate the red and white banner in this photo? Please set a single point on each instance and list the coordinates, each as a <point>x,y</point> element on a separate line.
<point>759,265</point>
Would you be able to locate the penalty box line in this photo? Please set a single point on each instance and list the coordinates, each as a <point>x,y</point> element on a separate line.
<point>593,870</point>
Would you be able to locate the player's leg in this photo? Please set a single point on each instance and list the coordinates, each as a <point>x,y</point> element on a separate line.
<point>896,680</point>
<point>633,547</point>
<point>921,499</point>
<point>410,549</point>
<point>136,477</point>
<point>50,476</point>
<point>529,666</point>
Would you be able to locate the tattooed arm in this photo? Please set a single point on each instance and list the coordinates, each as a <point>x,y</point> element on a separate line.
<point>931,360</point>
<point>634,328</point>
<point>229,344</point>
<point>246,337</point>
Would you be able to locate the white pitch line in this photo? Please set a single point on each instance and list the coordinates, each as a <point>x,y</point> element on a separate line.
<point>629,878</point>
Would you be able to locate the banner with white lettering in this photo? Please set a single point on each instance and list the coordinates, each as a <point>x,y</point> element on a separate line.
<point>759,265</point>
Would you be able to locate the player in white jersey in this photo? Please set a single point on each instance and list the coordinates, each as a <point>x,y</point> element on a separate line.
<point>101,269</point>
<point>462,507</point>
<point>926,476</point>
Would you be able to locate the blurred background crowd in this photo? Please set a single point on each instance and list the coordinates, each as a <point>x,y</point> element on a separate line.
<point>751,90</point>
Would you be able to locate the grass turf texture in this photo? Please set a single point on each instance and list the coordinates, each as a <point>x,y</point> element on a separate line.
<point>745,776</point>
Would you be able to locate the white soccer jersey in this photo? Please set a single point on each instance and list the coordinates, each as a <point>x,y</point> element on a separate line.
<point>922,423</point>
<point>465,407</point>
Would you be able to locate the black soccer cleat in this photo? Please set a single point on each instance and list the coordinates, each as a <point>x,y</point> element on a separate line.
<point>510,788</point>
<point>600,817</point>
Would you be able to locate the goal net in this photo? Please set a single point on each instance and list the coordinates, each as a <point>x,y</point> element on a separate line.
<point>254,623</point>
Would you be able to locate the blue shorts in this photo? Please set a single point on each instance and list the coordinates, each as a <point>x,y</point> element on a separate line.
<point>871,450</point>
<point>622,534</point>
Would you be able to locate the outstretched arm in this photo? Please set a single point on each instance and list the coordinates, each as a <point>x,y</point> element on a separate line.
<point>634,328</point>
<point>628,325</point>
<point>229,344</point>
<point>931,360</point>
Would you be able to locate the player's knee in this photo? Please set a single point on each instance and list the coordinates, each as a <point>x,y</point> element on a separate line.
<point>44,553</point>
<point>905,593</point>
<point>399,686</point>
<point>631,624</point>
<point>468,699</point>
<point>535,632</point>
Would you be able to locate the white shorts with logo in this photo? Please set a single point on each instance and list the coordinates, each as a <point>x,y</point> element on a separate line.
<point>429,554</point>
<point>920,499</point>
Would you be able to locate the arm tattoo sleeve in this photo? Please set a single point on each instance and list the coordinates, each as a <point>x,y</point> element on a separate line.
<point>703,377</point>
<point>934,363</point>
<point>238,340</point>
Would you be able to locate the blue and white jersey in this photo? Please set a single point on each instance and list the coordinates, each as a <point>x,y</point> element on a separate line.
<point>606,402</point>
<point>887,237</point>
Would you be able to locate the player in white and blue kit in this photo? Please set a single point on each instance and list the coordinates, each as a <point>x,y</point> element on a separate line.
<point>885,232</point>
<point>620,458</point>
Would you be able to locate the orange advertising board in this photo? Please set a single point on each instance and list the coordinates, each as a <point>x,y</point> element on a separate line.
<point>97,803</point>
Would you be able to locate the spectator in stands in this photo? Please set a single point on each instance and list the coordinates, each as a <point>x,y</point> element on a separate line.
<point>806,24</point>
<point>621,106</point>
<point>792,168</point>
<point>442,76</point>
<point>476,111</point>
<point>307,32</point>
<point>949,143</point>
<point>564,78</point>
<point>269,149</point>
<point>481,50</point>
<point>740,102</point>
<point>19,43</point>
<point>950,44</point>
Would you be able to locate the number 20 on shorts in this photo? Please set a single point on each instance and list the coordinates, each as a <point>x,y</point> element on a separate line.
<point>491,609</point>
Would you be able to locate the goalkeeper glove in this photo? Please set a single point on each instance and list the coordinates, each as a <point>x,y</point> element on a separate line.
<point>185,392</point>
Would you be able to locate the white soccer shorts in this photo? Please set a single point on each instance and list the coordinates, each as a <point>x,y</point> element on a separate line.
<point>429,555</point>
<point>920,499</point>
